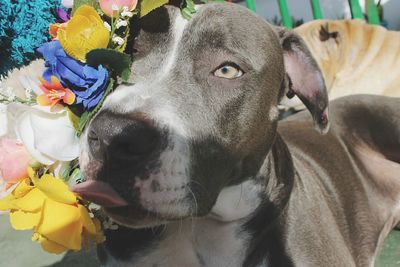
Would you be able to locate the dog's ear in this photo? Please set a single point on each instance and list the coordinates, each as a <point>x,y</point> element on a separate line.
<point>306,79</point>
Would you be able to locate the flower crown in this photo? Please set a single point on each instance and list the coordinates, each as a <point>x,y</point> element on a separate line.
<point>39,146</point>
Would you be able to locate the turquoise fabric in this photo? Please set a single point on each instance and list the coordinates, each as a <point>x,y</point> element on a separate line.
<point>23,27</point>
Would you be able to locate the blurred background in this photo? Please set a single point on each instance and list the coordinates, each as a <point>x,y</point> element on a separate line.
<point>301,10</point>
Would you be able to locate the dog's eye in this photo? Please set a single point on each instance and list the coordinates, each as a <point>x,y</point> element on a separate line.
<point>228,71</point>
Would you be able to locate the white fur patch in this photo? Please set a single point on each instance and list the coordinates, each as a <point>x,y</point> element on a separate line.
<point>138,95</point>
<point>237,201</point>
<point>127,98</point>
<point>172,179</point>
<point>179,26</point>
<point>167,116</point>
<point>273,113</point>
<point>194,243</point>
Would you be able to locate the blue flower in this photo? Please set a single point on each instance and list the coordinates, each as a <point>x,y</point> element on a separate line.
<point>87,83</point>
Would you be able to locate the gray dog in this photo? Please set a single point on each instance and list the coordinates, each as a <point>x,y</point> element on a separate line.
<point>190,159</point>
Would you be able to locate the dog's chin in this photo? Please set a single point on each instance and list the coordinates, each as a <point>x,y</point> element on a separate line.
<point>125,217</point>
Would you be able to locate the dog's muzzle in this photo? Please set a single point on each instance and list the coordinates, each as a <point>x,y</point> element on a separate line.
<point>122,145</point>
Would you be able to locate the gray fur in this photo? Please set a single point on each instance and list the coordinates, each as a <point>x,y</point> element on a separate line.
<point>228,187</point>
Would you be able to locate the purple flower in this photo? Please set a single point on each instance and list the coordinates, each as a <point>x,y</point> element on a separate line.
<point>63,15</point>
<point>87,83</point>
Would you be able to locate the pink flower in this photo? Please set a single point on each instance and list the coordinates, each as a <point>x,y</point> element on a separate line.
<point>14,161</point>
<point>111,7</point>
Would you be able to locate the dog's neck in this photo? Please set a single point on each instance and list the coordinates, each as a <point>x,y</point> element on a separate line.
<point>246,219</point>
<point>272,184</point>
<point>267,246</point>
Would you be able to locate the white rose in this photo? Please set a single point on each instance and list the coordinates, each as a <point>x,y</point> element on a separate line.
<point>49,136</point>
<point>3,120</point>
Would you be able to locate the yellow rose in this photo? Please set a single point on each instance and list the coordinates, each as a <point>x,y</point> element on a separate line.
<point>84,32</point>
<point>46,205</point>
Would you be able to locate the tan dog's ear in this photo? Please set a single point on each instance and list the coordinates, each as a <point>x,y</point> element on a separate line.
<point>306,79</point>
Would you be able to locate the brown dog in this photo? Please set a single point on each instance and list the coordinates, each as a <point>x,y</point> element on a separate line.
<point>355,57</point>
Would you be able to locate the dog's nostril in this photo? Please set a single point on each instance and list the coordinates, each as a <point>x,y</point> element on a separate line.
<point>128,151</point>
<point>95,144</point>
<point>93,138</point>
<point>136,143</point>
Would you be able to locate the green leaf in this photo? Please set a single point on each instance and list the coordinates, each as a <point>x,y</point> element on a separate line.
<point>146,6</point>
<point>119,63</point>
<point>188,10</point>
<point>190,5</point>
<point>186,14</point>
<point>78,3</point>
<point>77,177</point>
<point>64,173</point>
<point>83,121</point>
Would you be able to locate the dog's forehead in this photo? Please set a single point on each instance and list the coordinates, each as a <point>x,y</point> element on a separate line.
<point>232,27</point>
<point>174,54</point>
<point>235,29</point>
<point>238,25</point>
<point>214,26</point>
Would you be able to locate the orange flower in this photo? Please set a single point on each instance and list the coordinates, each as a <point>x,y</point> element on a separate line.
<point>53,29</point>
<point>54,92</point>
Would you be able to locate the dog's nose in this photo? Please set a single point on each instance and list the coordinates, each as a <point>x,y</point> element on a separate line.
<point>120,137</point>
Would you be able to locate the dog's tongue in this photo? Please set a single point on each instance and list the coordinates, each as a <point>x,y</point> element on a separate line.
<point>100,193</point>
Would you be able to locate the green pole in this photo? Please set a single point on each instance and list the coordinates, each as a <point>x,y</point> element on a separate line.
<point>372,12</point>
<point>251,5</point>
<point>316,8</point>
<point>356,12</point>
<point>286,19</point>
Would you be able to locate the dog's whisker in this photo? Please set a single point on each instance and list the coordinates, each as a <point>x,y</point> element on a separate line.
<point>240,196</point>
<point>193,212</point>
<point>180,225</point>
<point>199,185</point>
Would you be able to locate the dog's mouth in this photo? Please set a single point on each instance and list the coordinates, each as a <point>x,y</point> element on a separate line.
<point>143,192</point>
<point>100,193</point>
<point>134,217</point>
<point>128,213</point>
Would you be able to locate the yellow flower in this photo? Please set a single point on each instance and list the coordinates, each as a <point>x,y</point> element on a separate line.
<point>46,205</point>
<point>84,32</point>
